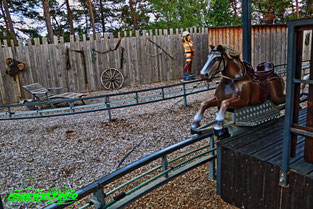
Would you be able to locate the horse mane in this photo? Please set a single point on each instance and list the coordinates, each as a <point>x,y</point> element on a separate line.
<point>230,52</point>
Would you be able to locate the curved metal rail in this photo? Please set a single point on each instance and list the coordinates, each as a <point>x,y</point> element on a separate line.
<point>157,176</point>
<point>107,102</point>
<point>167,170</point>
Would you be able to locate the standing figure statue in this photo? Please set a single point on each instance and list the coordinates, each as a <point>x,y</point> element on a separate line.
<point>189,53</point>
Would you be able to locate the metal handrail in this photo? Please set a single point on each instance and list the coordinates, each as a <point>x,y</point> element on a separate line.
<point>107,105</point>
<point>110,104</point>
<point>99,184</point>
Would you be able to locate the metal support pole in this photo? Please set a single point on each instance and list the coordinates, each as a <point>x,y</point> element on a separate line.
<point>219,134</point>
<point>162,92</point>
<point>9,112</point>
<point>246,30</point>
<point>164,165</point>
<point>107,102</point>
<point>212,162</point>
<point>291,65</point>
<point>219,178</point>
<point>39,109</point>
<point>98,198</point>
<point>185,96</point>
<point>137,101</point>
<point>1,204</point>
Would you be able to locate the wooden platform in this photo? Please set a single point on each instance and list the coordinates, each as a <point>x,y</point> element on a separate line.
<point>250,170</point>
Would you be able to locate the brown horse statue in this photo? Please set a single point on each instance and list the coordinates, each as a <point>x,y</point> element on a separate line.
<point>241,85</point>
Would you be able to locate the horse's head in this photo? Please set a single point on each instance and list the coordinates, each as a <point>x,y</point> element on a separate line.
<point>217,60</point>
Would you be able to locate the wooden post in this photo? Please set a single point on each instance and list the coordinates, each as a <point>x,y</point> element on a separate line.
<point>308,147</point>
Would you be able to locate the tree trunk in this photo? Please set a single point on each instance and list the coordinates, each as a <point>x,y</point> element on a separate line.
<point>234,5</point>
<point>10,23</point>
<point>86,16</point>
<point>45,4</point>
<point>5,19</point>
<point>59,27</point>
<point>133,12</point>
<point>297,9</point>
<point>92,19</point>
<point>70,17</point>
<point>102,17</point>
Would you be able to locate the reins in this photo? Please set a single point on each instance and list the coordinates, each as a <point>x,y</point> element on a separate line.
<point>229,78</point>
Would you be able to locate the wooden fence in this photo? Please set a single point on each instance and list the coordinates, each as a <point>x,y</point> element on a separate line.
<point>149,56</point>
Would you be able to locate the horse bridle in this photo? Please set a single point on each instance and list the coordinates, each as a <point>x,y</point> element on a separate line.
<point>224,66</point>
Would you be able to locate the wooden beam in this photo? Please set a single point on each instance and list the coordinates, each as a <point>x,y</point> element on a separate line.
<point>308,147</point>
<point>297,91</point>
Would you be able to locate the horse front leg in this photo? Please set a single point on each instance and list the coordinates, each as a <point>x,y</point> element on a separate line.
<point>212,102</point>
<point>234,102</point>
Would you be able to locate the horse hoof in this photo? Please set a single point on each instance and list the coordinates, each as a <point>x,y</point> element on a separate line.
<point>195,125</point>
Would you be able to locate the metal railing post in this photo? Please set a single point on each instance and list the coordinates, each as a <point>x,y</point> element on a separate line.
<point>9,112</point>
<point>137,101</point>
<point>212,162</point>
<point>162,92</point>
<point>185,96</point>
<point>1,204</point>
<point>98,198</point>
<point>107,103</point>
<point>39,109</point>
<point>164,165</point>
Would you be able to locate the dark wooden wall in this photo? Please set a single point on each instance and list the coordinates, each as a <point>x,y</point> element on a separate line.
<point>250,170</point>
<point>254,184</point>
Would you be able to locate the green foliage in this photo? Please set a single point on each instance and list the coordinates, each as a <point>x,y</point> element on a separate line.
<point>26,18</point>
<point>220,14</point>
<point>179,13</point>
<point>115,15</point>
<point>306,10</point>
<point>261,8</point>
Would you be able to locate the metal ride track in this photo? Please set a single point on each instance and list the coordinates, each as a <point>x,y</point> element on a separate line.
<point>165,167</point>
<point>106,102</point>
<point>169,168</point>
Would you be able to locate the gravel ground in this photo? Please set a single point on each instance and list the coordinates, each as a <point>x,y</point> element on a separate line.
<point>76,150</point>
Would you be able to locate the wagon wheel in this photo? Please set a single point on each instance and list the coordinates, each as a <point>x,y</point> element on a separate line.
<point>112,78</point>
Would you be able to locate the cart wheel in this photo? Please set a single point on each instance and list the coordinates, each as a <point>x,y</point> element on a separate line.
<point>112,78</point>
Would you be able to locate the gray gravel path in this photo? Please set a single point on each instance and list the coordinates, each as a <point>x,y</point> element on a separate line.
<point>76,150</point>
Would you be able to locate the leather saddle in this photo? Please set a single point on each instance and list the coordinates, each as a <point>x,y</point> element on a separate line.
<point>264,72</point>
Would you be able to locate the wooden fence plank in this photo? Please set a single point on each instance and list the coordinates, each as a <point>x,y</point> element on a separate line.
<point>3,92</point>
<point>101,46</point>
<point>142,74</point>
<point>284,43</point>
<point>278,45</point>
<point>256,47</point>
<point>146,67</point>
<point>89,68</point>
<point>155,63</point>
<point>240,42</point>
